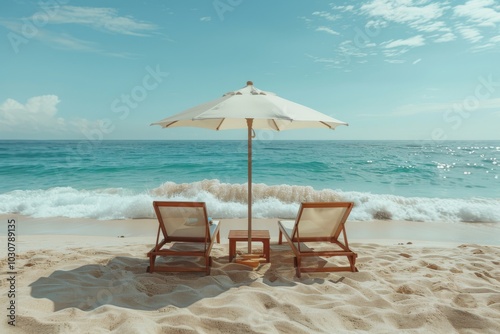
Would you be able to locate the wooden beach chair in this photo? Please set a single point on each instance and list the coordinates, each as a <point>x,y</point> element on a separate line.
<point>186,233</point>
<point>319,222</point>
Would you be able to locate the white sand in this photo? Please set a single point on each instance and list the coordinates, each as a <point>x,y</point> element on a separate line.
<point>81,276</point>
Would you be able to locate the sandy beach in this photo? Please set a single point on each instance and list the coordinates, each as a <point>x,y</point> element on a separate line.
<point>252,108</point>
<point>89,276</point>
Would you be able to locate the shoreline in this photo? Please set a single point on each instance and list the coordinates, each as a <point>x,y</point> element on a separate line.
<point>385,231</point>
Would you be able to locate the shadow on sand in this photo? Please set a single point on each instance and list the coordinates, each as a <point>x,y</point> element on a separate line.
<point>124,282</point>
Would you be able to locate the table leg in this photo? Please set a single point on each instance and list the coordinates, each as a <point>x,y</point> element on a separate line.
<point>266,250</point>
<point>232,249</point>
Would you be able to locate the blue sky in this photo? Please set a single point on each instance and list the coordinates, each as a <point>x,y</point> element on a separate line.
<point>98,70</point>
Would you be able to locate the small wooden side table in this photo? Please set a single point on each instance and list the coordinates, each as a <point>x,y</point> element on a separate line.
<point>242,235</point>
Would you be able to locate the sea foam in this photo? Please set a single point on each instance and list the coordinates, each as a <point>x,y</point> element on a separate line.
<point>225,200</point>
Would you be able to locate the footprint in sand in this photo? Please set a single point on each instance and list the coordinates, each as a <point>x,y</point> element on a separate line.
<point>433,266</point>
<point>465,300</point>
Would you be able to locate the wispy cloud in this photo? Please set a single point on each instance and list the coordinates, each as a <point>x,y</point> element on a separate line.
<point>471,34</point>
<point>395,61</point>
<point>395,52</point>
<point>329,62</point>
<point>410,42</point>
<point>327,30</point>
<point>404,11</point>
<point>349,49</point>
<point>479,19</point>
<point>447,37</point>
<point>495,39</point>
<point>68,42</point>
<point>434,26</point>
<point>396,48</point>
<point>326,15</point>
<point>206,19</point>
<point>484,13</point>
<point>104,19</point>
<point>101,19</point>
<point>62,41</point>
<point>348,8</point>
<point>376,24</point>
<point>411,24</point>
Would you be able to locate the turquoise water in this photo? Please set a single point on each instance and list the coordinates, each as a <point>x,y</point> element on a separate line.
<point>409,180</point>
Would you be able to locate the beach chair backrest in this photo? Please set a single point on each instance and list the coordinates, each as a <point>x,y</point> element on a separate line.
<point>182,219</point>
<point>321,219</point>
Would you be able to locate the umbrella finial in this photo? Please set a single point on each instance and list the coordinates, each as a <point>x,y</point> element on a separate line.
<point>249,83</point>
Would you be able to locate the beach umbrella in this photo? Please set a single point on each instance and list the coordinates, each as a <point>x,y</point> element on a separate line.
<point>250,108</point>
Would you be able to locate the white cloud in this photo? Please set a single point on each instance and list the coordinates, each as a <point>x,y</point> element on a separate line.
<point>326,15</point>
<point>410,42</point>
<point>411,24</point>
<point>480,12</point>
<point>45,105</point>
<point>395,61</point>
<point>37,116</point>
<point>105,19</point>
<point>39,111</point>
<point>483,47</point>
<point>206,19</point>
<point>376,24</point>
<point>348,49</point>
<point>66,41</point>
<point>61,41</point>
<point>323,60</point>
<point>404,11</point>
<point>495,39</point>
<point>471,34</point>
<point>327,30</point>
<point>435,26</point>
<point>328,62</point>
<point>348,8</point>
<point>417,61</point>
<point>395,52</point>
<point>448,37</point>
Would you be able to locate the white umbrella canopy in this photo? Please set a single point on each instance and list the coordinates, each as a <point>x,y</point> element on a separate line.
<point>250,108</point>
<point>267,110</point>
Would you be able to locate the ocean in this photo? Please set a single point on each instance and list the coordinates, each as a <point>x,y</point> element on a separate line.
<point>448,181</point>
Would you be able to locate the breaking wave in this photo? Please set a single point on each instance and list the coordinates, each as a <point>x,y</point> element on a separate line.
<point>226,200</point>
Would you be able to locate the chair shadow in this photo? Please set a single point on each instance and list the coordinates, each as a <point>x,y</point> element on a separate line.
<point>124,282</point>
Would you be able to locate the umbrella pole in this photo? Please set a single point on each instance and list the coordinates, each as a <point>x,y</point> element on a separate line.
<point>249,124</point>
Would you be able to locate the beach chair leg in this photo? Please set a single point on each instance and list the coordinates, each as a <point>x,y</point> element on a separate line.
<point>352,260</point>
<point>151,266</point>
<point>280,238</point>
<point>208,265</point>
<point>296,263</point>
